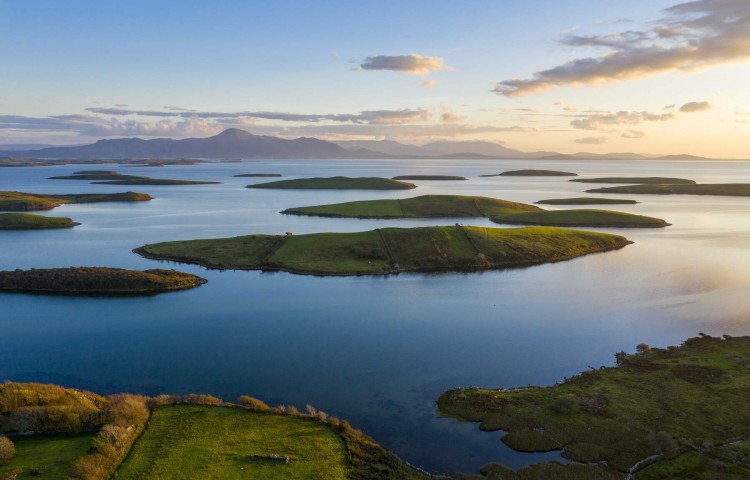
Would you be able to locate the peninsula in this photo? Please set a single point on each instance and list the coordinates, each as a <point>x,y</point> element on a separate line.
<point>637,180</point>
<point>388,250</point>
<point>338,183</point>
<point>429,177</point>
<point>24,202</point>
<point>586,201</point>
<point>111,177</point>
<point>719,189</point>
<point>29,221</point>
<point>533,173</point>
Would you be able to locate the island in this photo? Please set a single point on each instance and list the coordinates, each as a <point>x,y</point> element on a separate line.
<point>659,413</point>
<point>96,281</point>
<point>29,221</point>
<point>388,250</point>
<point>261,175</point>
<point>718,189</point>
<point>416,207</point>
<point>24,202</point>
<point>581,218</point>
<point>533,173</point>
<point>338,183</point>
<point>499,211</point>
<point>111,177</point>
<point>637,180</point>
<point>429,177</point>
<point>57,432</point>
<point>586,201</point>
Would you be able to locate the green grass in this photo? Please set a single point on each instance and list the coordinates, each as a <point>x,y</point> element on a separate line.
<point>28,221</point>
<point>338,183</point>
<point>416,207</point>
<point>637,180</point>
<point>51,455</point>
<point>258,175</point>
<point>533,173</point>
<point>662,402</point>
<point>586,201</point>
<point>111,177</point>
<point>723,189</point>
<point>388,250</point>
<point>429,177</point>
<point>96,280</point>
<point>19,201</point>
<point>192,441</point>
<point>581,218</point>
<point>155,181</point>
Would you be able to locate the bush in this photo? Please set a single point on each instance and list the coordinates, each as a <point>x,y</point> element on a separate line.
<point>7,450</point>
<point>642,348</point>
<point>565,405</point>
<point>254,404</point>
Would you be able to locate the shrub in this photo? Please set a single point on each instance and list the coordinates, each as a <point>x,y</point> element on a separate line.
<point>565,405</point>
<point>642,348</point>
<point>254,404</point>
<point>7,450</point>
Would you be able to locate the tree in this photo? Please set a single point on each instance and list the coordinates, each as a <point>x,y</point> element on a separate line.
<point>7,450</point>
<point>642,348</point>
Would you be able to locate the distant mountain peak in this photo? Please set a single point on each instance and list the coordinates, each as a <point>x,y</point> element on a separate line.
<point>234,133</point>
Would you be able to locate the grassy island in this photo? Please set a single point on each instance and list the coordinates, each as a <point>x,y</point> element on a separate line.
<point>155,181</point>
<point>111,177</point>
<point>429,177</point>
<point>388,250</point>
<point>129,436</point>
<point>581,218</point>
<point>261,175</point>
<point>28,221</point>
<point>533,173</point>
<point>679,412</point>
<point>637,180</point>
<point>586,201</point>
<point>19,201</point>
<point>416,207</point>
<point>96,281</point>
<point>719,189</point>
<point>338,183</point>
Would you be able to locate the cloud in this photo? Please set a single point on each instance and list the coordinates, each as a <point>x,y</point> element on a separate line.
<point>632,134</point>
<point>442,130</point>
<point>607,121</point>
<point>592,140</point>
<point>669,107</point>
<point>449,116</point>
<point>412,64</point>
<point>173,108</point>
<point>90,125</point>
<point>428,84</point>
<point>695,107</point>
<point>692,36</point>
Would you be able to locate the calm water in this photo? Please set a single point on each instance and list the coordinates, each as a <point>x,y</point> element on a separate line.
<point>375,350</point>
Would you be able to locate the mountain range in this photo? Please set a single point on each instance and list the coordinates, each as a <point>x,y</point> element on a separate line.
<point>235,143</point>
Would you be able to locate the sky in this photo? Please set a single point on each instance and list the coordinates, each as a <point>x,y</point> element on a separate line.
<point>643,76</point>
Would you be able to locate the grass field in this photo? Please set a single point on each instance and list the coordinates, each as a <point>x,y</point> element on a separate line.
<point>19,201</point>
<point>29,221</point>
<point>722,189</point>
<point>388,250</point>
<point>637,180</point>
<point>586,201</point>
<point>50,455</point>
<point>682,408</point>
<point>192,441</point>
<point>417,207</point>
<point>581,218</point>
<point>338,183</point>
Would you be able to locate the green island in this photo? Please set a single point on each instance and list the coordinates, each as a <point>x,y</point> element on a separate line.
<point>96,281</point>
<point>678,412</point>
<point>111,177</point>
<point>719,189</point>
<point>79,435</point>
<point>581,218</point>
<point>29,221</point>
<point>499,211</point>
<point>429,177</point>
<point>338,183</point>
<point>261,175</point>
<point>388,250</point>
<point>637,180</point>
<point>19,201</point>
<point>533,173</point>
<point>586,201</point>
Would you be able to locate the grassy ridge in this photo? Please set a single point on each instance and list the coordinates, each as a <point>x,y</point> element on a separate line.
<point>581,218</point>
<point>190,441</point>
<point>721,189</point>
<point>338,183</point>
<point>96,280</point>
<point>388,250</point>
<point>28,221</point>
<point>586,201</point>
<point>669,404</point>
<point>19,201</point>
<point>416,207</point>
<point>637,180</point>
